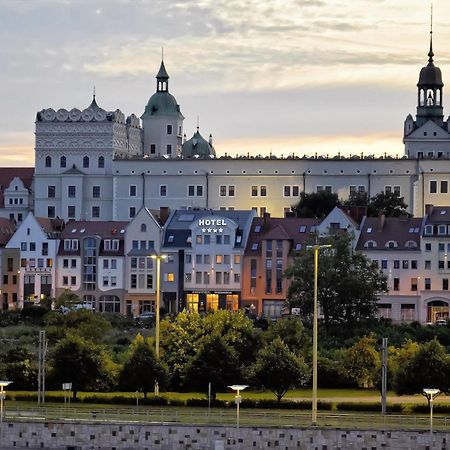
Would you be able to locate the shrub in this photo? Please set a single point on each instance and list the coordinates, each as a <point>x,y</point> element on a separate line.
<point>425,409</point>
<point>204,402</point>
<point>371,406</point>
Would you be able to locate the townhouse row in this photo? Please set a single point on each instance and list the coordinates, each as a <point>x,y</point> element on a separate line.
<point>216,260</point>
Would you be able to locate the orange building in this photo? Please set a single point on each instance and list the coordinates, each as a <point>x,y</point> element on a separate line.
<point>270,249</point>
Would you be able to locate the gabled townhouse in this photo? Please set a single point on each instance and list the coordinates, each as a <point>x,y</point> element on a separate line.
<point>91,264</point>
<point>394,244</point>
<point>143,237</point>
<point>16,198</point>
<point>10,265</point>
<point>37,239</point>
<point>435,247</point>
<point>338,221</point>
<point>270,249</point>
<point>205,250</point>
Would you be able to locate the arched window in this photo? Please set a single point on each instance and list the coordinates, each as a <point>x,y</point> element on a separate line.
<point>411,244</point>
<point>48,161</point>
<point>391,244</point>
<point>63,161</point>
<point>86,162</point>
<point>143,228</point>
<point>101,162</point>
<point>370,244</point>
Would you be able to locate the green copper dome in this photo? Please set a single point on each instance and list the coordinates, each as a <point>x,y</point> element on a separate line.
<point>162,104</point>
<point>197,145</point>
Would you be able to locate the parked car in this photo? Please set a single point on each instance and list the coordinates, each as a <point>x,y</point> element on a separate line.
<point>441,322</point>
<point>147,318</point>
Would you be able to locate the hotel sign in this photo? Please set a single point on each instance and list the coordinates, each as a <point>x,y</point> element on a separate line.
<point>212,225</point>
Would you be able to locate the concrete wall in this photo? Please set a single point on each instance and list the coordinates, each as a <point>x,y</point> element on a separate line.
<point>58,435</point>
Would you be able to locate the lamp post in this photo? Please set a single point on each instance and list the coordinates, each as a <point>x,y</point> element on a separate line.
<point>431,394</point>
<point>3,385</point>
<point>316,249</point>
<point>238,399</point>
<point>158,259</point>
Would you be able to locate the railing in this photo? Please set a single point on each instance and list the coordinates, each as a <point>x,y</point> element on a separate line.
<point>224,416</point>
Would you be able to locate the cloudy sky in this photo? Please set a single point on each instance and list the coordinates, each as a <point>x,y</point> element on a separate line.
<point>285,76</point>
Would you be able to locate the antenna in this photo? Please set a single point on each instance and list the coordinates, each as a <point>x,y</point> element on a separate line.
<point>162,53</point>
<point>94,92</point>
<point>198,122</point>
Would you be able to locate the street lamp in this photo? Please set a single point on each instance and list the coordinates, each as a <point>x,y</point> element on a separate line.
<point>238,399</point>
<point>431,394</point>
<point>316,249</point>
<point>158,259</point>
<point>3,384</point>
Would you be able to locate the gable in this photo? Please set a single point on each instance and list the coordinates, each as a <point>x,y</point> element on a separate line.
<point>429,128</point>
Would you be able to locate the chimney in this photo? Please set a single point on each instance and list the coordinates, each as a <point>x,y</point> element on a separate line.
<point>164,212</point>
<point>210,139</point>
<point>428,210</point>
<point>266,217</point>
<point>381,220</point>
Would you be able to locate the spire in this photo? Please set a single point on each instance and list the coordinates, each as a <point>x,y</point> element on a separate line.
<point>94,102</point>
<point>430,53</point>
<point>162,79</point>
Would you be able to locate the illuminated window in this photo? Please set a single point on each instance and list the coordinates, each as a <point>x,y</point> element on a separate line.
<point>169,277</point>
<point>192,302</point>
<point>232,302</point>
<point>218,259</point>
<point>212,302</point>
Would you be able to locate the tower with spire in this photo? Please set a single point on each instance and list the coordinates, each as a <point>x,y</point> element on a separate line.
<point>428,136</point>
<point>162,121</point>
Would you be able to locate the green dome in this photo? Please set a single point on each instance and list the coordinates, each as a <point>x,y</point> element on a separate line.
<point>197,145</point>
<point>162,104</point>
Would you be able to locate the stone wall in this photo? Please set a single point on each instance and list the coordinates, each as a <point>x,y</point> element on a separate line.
<point>98,436</point>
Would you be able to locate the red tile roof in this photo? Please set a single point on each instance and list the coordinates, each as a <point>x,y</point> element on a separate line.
<point>7,229</point>
<point>8,173</point>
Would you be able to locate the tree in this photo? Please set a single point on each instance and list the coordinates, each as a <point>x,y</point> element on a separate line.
<point>291,331</point>
<point>361,362</point>
<point>356,199</point>
<point>348,284</point>
<point>278,369</point>
<point>141,369</point>
<point>428,367</point>
<point>79,361</point>
<point>316,204</point>
<point>17,364</point>
<point>67,300</point>
<point>214,363</point>
<point>388,203</point>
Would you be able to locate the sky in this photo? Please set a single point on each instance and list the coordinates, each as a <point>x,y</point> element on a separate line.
<point>280,76</point>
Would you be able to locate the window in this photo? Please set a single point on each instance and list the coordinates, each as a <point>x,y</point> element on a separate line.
<point>133,281</point>
<point>427,284</point>
<point>73,281</point>
<point>169,129</point>
<point>396,284</point>
<point>71,212</point>
<point>48,161</point>
<point>65,263</point>
<point>397,190</point>
<point>428,247</point>
<point>23,246</point>
<point>169,149</point>
<point>51,191</point>
<point>96,191</point>
<point>152,149</point>
<point>405,264</point>
<point>384,264</point>
<point>226,239</point>
<point>445,284</point>
<point>71,191</point>
<point>198,277</point>
<point>96,212</point>
<point>32,246</point>
<point>444,187</point>
<point>51,213</point>
<point>101,162</point>
<point>427,264</point>
<point>441,264</point>
<point>433,187</point>
<point>62,162</point>
<point>218,277</point>
<point>414,264</point>
<point>86,162</point>
<point>396,264</point>
<point>44,249</point>
<point>413,284</point>
<point>188,277</point>
<point>132,212</point>
<point>218,259</point>
<point>163,190</point>
<point>133,190</point>
<point>442,230</point>
<point>73,263</point>
<point>263,191</point>
<point>254,191</point>
<point>225,190</point>
<point>65,281</point>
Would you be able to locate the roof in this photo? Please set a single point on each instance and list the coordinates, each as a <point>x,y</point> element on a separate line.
<point>430,75</point>
<point>103,229</point>
<point>197,145</point>
<point>162,103</point>
<point>162,73</point>
<point>295,229</point>
<point>7,229</point>
<point>439,214</point>
<point>8,173</point>
<point>179,225</point>
<point>381,231</point>
<point>50,225</point>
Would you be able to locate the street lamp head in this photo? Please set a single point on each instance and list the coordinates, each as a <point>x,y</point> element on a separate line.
<point>431,392</point>
<point>154,256</point>
<point>5,383</point>
<point>238,387</point>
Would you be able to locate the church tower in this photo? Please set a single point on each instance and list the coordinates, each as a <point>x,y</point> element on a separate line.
<point>428,136</point>
<point>162,121</point>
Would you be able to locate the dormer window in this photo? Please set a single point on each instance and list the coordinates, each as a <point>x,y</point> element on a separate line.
<point>370,244</point>
<point>369,230</point>
<point>391,244</point>
<point>298,247</point>
<point>255,247</point>
<point>257,228</point>
<point>302,229</point>
<point>442,230</point>
<point>411,244</point>
<point>428,230</point>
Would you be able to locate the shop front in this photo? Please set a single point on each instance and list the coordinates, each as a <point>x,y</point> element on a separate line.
<point>203,301</point>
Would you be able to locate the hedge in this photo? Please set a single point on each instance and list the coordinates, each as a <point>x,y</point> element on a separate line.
<point>368,406</point>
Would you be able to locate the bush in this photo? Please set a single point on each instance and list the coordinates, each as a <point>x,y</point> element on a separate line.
<point>425,409</point>
<point>372,406</point>
<point>203,402</point>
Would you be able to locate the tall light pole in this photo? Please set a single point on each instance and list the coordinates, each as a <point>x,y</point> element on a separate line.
<point>3,384</point>
<point>158,259</point>
<point>431,394</point>
<point>316,249</point>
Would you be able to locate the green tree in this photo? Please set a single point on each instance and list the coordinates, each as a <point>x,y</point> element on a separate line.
<point>315,205</point>
<point>79,361</point>
<point>388,203</point>
<point>278,369</point>
<point>18,365</point>
<point>356,199</point>
<point>292,332</point>
<point>361,362</point>
<point>67,300</point>
<point>215,363</point>
<point>141,369</point>
<point>429,367</point>
<point>348,284</point>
